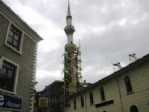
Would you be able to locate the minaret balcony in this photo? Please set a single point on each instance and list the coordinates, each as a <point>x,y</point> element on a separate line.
<point>69,17</point>
<point>69,29</point>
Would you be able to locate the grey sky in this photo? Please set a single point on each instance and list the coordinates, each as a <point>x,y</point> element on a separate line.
<point>108,31</point>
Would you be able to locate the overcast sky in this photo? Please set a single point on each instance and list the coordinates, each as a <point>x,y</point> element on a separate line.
<point>108,31</point>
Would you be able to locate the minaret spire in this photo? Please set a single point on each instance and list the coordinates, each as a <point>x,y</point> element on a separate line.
<point>69,28</point>
<point>68,11</point>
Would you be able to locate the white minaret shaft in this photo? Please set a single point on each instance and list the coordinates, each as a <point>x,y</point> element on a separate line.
<point>69,29</point>
<point>69,17</point>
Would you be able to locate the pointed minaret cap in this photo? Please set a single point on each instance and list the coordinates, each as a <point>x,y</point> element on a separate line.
<point>69,12</point>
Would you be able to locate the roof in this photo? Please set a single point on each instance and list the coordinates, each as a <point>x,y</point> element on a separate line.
<point>54,88</point>
<point>126,69</point>
<point>53,84</point>
<point>7,11</point>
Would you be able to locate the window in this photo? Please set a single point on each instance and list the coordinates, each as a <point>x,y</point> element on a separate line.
<point>128,85</point>
<point>8,76</point>
<point>134,109</point>
<point>14,37</point>
<point>91,98</point>
<point>74,104</point>
<point>82,101</point>
<point>102,93</point>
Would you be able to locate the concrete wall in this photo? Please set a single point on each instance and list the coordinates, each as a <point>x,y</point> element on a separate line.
<point>25,61</point>
<point>140,97</point>
<point>115,90</point>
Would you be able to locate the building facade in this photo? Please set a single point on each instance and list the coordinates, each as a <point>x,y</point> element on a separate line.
<point>18,45</point>
<point>125,90</point>
<point>51,99</point>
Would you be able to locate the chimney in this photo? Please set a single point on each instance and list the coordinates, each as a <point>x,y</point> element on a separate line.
<point>117,66</point>
<point>132,57</point>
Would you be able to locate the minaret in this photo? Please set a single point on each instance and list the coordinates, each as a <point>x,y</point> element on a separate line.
<point>69,29</point>
<point>71,58</point>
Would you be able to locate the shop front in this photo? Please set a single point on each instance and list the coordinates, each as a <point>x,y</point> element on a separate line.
<point>9,100</point>
<point>10,103</point>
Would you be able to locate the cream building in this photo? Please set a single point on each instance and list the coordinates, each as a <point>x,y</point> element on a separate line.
<point>18,46</point>
<point>126,90</point>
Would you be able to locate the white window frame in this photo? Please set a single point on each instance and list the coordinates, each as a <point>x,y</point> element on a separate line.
<point>2,59</point>
<point>10,21</point>
<point>20,51</point>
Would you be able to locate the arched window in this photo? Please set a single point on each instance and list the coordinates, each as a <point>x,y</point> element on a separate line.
<point>128,85</point>
<point>102,93</point>
<point>74,104</point>
<point>91,98</point>
<point>82,101</point>
<point>133,108</point>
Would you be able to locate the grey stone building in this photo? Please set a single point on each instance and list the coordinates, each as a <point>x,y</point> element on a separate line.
<point>54,94</point>
<point>126,90</point>
<point>18,45</point>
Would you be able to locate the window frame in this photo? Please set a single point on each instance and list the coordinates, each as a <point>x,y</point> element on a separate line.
<point>91,97</point>
<point>128,85</point>
<point>21,39</point>
<point>74,103</point>
<point>24,33</point>
<point>102,93</point>
<point>82,101</point>
<point>133,107</point>
<point>2,59</point>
